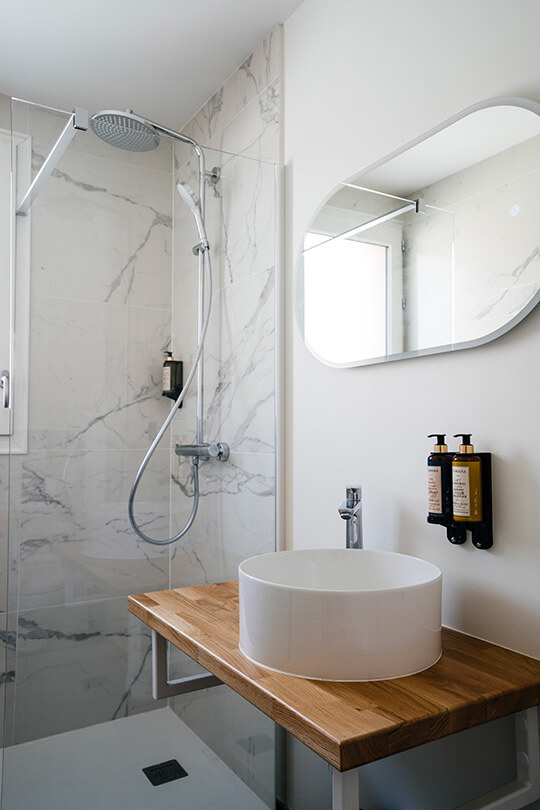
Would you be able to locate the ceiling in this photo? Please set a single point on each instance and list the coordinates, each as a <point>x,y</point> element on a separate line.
<point>163,58</point>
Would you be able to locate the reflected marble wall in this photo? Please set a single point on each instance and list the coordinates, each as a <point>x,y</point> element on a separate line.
<point>100,319</point>
<point>482,254</point>
<point>237,513</point>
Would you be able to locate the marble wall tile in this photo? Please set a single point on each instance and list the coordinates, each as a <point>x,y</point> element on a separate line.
<point>259,70</point>
<point>255,132</point>
<point>240,221</point>
<point>78,357</point>
<point>78,665</point>
<point>100,320</point>
<point>239,366</point>
<point>75,541</point>
<point>148,337</point>
<point>101,231</point>
<point>95,374</point>
<point>236,518</point>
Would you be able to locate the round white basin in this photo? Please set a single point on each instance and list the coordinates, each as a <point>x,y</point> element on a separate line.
<point>340,614</point>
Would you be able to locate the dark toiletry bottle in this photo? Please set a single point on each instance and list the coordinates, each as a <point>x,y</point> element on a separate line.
<point>466,483</point>
<point>440,479</point>
<point>172,376</point>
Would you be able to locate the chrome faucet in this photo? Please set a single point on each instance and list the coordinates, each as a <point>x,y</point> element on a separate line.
<point>351,511</point>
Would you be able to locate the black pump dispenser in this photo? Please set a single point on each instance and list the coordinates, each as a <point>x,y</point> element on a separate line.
<point>465,441</point>
<point>441,442</point>
<point>172,377</point>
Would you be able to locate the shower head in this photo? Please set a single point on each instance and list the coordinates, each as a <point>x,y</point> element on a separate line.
<point>188,196</point>
<point>125,130</point>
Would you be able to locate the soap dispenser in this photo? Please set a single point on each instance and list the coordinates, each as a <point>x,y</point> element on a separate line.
<point>172,377</point>
<point>466,483</point>
<point>439,482</point>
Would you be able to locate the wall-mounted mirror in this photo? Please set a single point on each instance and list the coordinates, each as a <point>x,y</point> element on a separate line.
<point>432,249</point>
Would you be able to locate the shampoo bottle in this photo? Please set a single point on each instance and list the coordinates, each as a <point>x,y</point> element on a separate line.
<point>439,481</point>
<point>466,483</point>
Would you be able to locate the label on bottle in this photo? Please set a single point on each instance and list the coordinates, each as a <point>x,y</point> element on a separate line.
<point>461,491</point>
<point>166,378</point>
<point>434,490</point>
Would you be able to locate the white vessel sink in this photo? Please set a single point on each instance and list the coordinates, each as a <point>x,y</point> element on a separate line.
<point>340,614</point>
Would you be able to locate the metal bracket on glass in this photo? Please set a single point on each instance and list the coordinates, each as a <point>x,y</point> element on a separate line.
<point>78,121</point>
<point>161,686</point>
<point>220,450</point>
<point>514,796</point>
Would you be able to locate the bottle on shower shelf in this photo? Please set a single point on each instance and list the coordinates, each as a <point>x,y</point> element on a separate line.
<point>172,377</point>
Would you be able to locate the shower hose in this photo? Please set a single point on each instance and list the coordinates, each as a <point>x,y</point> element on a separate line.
<point>195,461</point>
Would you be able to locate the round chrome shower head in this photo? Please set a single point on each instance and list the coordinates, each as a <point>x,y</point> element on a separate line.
<point>125,130</point>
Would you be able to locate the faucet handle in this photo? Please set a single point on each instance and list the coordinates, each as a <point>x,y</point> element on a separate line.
<point>353,494</point>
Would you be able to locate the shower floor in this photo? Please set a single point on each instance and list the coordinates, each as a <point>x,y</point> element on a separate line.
<point>99,768</point>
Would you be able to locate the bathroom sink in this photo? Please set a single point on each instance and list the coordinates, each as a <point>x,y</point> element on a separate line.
<point>340,614</point>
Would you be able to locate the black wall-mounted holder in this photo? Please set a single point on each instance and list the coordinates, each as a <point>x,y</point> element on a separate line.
<point>482,532</point>
<point>177,374</point>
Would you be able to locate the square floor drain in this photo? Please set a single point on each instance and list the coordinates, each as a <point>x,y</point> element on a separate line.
<point>164,772</point>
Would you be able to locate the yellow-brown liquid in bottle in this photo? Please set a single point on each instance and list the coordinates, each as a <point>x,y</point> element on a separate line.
<point>467,488</point>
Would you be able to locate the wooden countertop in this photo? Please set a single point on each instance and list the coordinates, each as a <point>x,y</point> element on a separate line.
<point>347,724</point>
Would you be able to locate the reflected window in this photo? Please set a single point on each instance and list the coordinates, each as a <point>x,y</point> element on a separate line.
<point>345,293</point>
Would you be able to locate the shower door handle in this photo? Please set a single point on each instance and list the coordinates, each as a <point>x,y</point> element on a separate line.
<point>4,385</point>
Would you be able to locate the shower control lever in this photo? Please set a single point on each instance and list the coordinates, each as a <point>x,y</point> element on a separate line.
<point>220,450</point>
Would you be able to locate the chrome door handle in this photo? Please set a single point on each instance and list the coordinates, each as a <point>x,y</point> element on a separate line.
<point>4,384</point>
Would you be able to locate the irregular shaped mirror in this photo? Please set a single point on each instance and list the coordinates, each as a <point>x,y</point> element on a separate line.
<point>432,249</point>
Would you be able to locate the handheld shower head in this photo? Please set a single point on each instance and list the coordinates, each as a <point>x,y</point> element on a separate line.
<point>188,196</point>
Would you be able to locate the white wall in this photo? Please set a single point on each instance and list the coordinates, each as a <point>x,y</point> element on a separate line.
<point>346,107</point>
<point>361,79</point>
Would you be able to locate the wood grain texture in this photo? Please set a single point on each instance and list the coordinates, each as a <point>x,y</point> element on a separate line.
<point>347,724</point>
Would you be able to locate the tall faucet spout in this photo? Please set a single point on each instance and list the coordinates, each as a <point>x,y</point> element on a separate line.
<point>351,511</point>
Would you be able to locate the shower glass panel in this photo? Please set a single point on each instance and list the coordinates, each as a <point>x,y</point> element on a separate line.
<point>113,285</point>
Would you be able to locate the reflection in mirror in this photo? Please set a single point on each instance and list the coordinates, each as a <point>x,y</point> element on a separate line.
<point>433,249</point>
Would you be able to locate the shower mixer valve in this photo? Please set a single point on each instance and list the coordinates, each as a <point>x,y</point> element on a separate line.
<point>220,450</point>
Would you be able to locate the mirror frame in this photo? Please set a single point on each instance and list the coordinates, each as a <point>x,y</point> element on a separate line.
<point>503,101</point>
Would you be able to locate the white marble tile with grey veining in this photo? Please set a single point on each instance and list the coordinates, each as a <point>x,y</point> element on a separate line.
<point>78,665</point>
<point>241,226</point>
<point>101,231</point>
<point>252,77</point>
<point>239,366</point>
<point>236,518</point>
<point>255,132</point>
<point>76,543</point>
<point>95,374</point>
